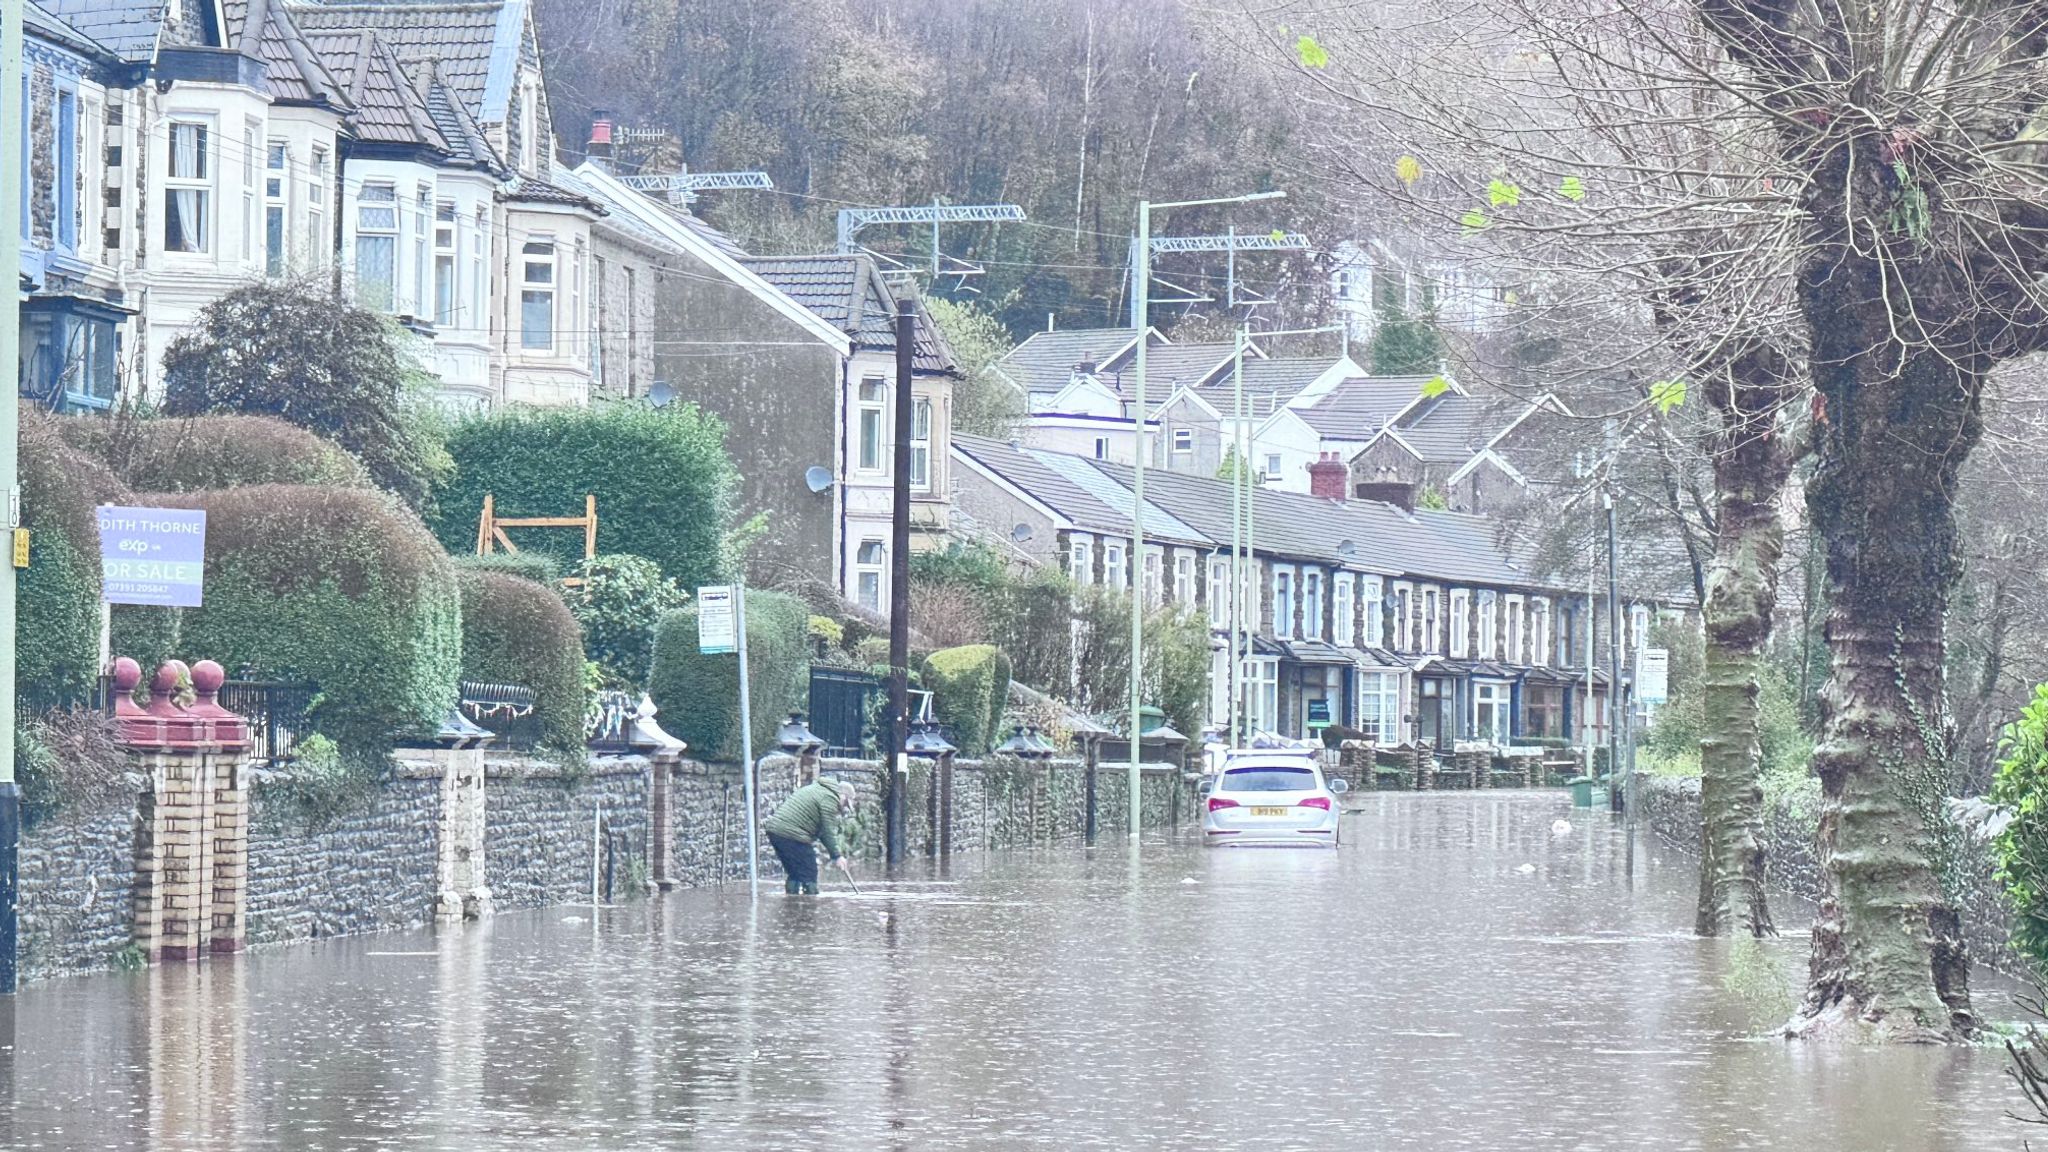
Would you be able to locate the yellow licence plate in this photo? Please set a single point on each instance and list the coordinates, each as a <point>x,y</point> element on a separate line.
<point>1269,811</point>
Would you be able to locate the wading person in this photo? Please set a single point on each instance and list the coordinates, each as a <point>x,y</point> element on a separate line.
<point>812,812</point>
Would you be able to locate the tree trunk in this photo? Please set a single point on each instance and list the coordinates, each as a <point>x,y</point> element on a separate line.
<point>1888,960</point>
<point>1751,463</point>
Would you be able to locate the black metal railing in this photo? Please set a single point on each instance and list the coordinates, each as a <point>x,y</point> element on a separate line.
<point>279,712</point>
<point>841,702</point>
<point>506,709</point>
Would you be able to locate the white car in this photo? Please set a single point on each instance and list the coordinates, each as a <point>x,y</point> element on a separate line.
<point>1266,798</point>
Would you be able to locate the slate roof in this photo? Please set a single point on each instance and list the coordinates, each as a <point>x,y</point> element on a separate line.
<point>388,108</point>
<point>1045,361</point>
<point>1450,428</point>
<point>474,43</point>
<point>1029,470</point>
<point>1357,407</point>
<point>465,137</point>
<point>128,28</point>
<point>1170,366</point>
<point>848,292</point>
<point>534,190</point>
<point>291,71</point>
<point>44,26</point>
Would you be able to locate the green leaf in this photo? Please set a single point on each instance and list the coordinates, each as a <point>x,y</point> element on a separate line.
<point>1474,220</point>
<point>1503,194</point>
<point>1311,54</point>
<point>1572,188</point>
<point>1667,394</point>
<point>1408,169</point>
<point>1278,236</point>
<point>1435,386</point>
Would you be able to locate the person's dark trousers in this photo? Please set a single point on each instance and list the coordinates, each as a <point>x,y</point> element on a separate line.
<point>799,864</point>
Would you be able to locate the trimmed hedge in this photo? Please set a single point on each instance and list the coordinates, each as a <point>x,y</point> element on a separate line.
<point>190,454</point>
<point>970,685</point>
<point>534,566</point>
<point>698,695</point>
<point>57,613</point>
<point>515,631</point>
<point>339,586</point>
<point>663,483</point>
<point>618,604</point>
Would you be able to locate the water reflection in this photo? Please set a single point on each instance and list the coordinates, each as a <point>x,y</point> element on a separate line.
<point>1461,974</point>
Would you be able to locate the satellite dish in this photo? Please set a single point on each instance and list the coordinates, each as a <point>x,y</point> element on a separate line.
<point>1021,533</point>
<point>1347,548</point>
<point>662,394</point>
<point>817,478</point>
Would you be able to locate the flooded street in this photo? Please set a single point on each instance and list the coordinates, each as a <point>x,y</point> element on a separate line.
<point>1459,975</point>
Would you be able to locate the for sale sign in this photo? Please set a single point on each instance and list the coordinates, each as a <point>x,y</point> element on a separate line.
<point>152,555</point>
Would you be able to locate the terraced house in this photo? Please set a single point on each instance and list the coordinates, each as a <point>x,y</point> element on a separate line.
<point>1407,624</point>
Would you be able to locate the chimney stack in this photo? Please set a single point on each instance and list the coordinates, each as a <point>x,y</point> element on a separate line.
<point>1328,476</point>
<point>600,146</point>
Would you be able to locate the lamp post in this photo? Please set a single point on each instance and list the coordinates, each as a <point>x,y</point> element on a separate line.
<point>926,742</point>
<point>1141,296</point>
<point>796,739</point>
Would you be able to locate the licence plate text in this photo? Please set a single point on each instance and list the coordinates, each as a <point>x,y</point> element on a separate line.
<point>1269,811</point>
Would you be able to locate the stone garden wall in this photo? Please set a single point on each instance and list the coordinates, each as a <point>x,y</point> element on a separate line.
<point>378,858</point>
<point>1671,809</point>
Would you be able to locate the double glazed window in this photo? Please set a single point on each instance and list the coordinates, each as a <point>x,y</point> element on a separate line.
<point>1184,579</point>
<point>1489,623</point>
<point>1080,561</point>
<point>1375,614</point>
<point>276,177</point>
<point>316,209</point>
<point>921,445</point>
<point>537,296</point>
<point>868,563</point>
<point>874,395</point>
<point>1312,605</point>
<point>444,262</point>
<point>1115,573</point>
<point>1283,603</point>
<point>1342,600</point>
<point>377,246</point>
<point>1155,575</point>
<point>1539,623</point>
<point>1379,706</point>
<point>188,188</point>
<point>1219,591</point>
<point>1461,620</point>
<point>1490,712</point>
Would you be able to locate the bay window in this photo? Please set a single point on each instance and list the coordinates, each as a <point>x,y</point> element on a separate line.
<point>422,212</point>
<point>444,262</point>
<point>377,246</point>
<point>316,210</point>
<point>188,188</point>
<point>276,177</point>
<point>537,296</point>
<point>250,151</point>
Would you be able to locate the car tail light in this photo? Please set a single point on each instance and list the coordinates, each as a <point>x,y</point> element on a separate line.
<point>1217,803</point>
<point>1322,802</point>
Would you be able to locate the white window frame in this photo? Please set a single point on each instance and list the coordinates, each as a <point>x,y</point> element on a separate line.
<point>1489,624</point>
<point>1513,652</point>
<point>540,254</point>
<point>479,284</point>
<point>422,251</point>
<point>871,446</point>
<point>1379,706</point>
<point>921,444</point>
<point>1344,605</point>
<point>1081,560</point>
<point>1403,594</point>
<point>1101,447</point>
<point>1262,693</point>
<point>447,263</point>
<point>1375,612</point>
<point>1491,700</point>
<point>1219,591</point>
<point>1184,579</point>
<point>1432,621</point>
<point>1283,601</point>
<point>277,207</point>
<point>1461,621</point>
<point>1183,441</point>
<point>1116,568</point>
<point>199,186</point>
<point>1274,466</point>
<point>1539,627</point>
<point>870,574</point>
<point>1155,574</point>
<point>252,134</point>
<point>316,209</point>
<point>1312,604</point>
<point>373,200</point>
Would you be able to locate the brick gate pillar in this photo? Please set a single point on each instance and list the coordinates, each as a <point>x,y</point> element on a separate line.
<point>192,846</point>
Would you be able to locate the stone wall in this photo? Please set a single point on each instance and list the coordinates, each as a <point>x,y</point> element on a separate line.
<point>1671,809</point>
<point>538,829</point>
<point>77,890</point>
<point>366,867</point>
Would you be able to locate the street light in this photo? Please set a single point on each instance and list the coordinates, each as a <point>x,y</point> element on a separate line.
<point>1141,294</point>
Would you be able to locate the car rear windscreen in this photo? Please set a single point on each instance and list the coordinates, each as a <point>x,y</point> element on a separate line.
<point>1268,780</point>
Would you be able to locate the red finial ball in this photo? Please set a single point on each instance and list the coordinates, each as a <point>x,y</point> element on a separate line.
<point>207,677</point>
<point>127,674</point>
<point>165,681</point>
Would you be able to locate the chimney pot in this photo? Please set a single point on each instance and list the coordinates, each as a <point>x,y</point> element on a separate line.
<point>600,146</point>
<point>1327,477</point>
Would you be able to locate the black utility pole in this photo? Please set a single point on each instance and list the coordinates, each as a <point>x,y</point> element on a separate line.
<point>896,813</point>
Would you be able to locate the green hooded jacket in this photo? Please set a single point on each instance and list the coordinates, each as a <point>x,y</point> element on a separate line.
<point>810,813</point>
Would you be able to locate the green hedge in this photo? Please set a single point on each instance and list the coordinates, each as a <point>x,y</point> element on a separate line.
<point>618,604</point>
<point>698,695</point>
<point>970,686</point>
<point>57,613</point>
<point>171,454</point>
<point>535,566</point>
<point>339,586</point>
<point>515,631</point>
<point>2021,848</point>
<point>663,483</point>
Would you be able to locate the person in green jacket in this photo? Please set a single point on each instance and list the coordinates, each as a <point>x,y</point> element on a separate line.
<point>812,812</point>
